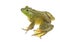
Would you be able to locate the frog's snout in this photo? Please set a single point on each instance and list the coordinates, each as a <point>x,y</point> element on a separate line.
<point>22,9</point>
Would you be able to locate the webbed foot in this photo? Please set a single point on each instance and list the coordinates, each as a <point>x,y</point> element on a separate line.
<point>39,33</point>
<point>25,30</point>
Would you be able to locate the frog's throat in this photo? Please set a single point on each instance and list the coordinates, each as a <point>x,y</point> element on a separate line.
<point>28,15</point>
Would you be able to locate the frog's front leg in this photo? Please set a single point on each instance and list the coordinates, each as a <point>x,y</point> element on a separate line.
<point>30,27</point>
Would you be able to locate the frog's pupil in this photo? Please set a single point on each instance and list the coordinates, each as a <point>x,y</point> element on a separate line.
<point>26,10</point>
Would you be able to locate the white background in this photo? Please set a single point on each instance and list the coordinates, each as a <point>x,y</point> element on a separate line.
<point>12,20</point>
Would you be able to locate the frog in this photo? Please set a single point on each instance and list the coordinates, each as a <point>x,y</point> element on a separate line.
<point>41,18</point>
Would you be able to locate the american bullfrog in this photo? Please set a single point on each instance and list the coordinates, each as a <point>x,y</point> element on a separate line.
<point>42,18</point>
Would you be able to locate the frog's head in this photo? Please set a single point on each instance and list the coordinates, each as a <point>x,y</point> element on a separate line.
<point>27,11</point>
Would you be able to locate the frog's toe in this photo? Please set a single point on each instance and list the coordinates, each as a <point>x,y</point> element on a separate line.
<point>38,31</point>
<point>39,34</point>
<point>25,30</point>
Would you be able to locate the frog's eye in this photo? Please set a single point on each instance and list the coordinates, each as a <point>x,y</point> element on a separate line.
<point>27,10</point>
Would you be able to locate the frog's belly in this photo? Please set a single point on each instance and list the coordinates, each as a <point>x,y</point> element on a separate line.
<point>38,21</point>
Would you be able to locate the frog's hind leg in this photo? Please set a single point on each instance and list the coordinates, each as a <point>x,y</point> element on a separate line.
<point>42,30</point>
<point>39,34</point>
<point>30,27</point>
<point>46,27</point>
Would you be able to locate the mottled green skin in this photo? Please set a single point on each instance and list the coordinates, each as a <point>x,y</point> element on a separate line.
<point>43,18</point>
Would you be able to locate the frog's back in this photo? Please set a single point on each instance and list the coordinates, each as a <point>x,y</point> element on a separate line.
<point>50,15</point>
<point>41,15</point>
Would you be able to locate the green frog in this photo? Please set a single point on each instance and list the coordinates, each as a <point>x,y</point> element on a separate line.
<point>41,18</point>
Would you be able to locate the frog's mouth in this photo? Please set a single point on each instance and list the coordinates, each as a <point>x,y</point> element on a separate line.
<point>22,9</point>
